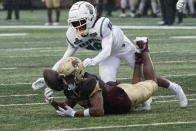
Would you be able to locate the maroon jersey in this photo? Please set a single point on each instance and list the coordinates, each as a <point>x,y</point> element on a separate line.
<point>116,101</point>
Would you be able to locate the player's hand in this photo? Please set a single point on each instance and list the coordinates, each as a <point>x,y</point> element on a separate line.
<point>43,0</point>
<point>88,62</point>
<point>39,83</point>
<point>48,98</point>
<point>179,5</point>
<point>66,112</point>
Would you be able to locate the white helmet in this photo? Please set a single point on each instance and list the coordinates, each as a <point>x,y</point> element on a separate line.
<point>82,13</point>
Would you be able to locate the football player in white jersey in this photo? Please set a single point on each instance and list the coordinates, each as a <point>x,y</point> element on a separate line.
<point>88,31</point>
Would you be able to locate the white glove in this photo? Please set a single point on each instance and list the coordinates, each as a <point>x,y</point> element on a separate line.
<point>48,92</point>
<point>88,62</point>
<point>179,5</point>
<point>39,83</point>
<point>69,112</point>
<point>43,0</point>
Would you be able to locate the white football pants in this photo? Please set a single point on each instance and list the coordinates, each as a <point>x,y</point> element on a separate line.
<point>123,4</point>
<point>109,67</point>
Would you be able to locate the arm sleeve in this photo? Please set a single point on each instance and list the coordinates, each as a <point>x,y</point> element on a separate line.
<point>106,43</point>
<point>69,52</point>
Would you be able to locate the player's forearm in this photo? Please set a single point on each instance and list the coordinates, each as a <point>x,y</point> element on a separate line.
<point>101,56</point>
<point>106,49</point>
<point>56,104</point>
<point>90,112</point>
<point>69,52</point>
<point>68,102</point>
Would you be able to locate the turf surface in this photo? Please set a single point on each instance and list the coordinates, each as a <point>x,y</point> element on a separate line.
<point>23,59</point>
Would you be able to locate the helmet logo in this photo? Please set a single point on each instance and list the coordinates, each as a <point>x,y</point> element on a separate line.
<point>74,63</point>
<point>90,8</point>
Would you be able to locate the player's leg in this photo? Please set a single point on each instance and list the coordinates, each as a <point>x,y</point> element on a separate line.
<point>162,82</point>
<point>132,7</point>
<point>49,6</point>
<point>154,7</point>
<point>108,69</point>
<point>123,4</point>
<point>148,67</point>
<point>148,73</point>
<point>129,57</point>
<point>191,7</point>
<point>141,8</point>
<point>56,4</point>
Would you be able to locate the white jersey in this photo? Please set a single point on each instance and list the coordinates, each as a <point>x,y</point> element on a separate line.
<point>93,41</point>
<point>103,37</point>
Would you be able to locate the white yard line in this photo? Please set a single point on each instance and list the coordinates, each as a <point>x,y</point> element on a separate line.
<point>12,34</point>
<point>19,95</point>
<point>86,51</point>
<point>123,27</point>
<point>153,97</point>
<point>171,101</point>
<point>159,27</point>
<point>31,56</point>
<point>125,126</point>
<point>13,84</point>
<point>182,75</point>
<point>158,62</point>
<point>164,62</point>
<point>8,68</point>
<point>183,37</point>
<point>26,104</point>
<point>169,96</point>
<point>125,78</point>
<point>31,27</point>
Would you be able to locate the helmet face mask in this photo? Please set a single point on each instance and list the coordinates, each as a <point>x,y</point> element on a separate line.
<point>80,26</point>
<point>70,81</point>
<point>72,71</point>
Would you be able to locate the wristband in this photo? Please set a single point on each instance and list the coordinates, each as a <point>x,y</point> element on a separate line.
<point>87,113</point>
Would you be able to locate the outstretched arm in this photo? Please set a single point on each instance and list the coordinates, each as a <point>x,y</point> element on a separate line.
<point>50,100</point>
<point>105,52</point>
<point>68,102</point>
<point>106,43</point>
<point>96,108</point>
<point>106,49</point>
<point>69,52</point>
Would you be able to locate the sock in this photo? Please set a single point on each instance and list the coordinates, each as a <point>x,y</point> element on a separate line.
<point>172,86</point>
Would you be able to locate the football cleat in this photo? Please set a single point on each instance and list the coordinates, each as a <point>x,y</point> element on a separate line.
<point>146,106</point>
<point>123,15</point>
<point>132,14</point>
<point>142,43</point>
<point>180,96</point>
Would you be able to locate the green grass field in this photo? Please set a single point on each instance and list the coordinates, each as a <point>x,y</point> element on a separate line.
<point>23,58</point>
